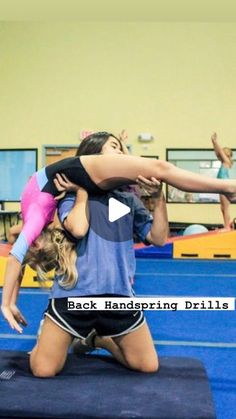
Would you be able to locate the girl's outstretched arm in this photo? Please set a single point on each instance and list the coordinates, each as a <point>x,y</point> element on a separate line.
<point>30,231</point>
<point>110,171</point>
<point>14,309</point>
<point>13,272</point>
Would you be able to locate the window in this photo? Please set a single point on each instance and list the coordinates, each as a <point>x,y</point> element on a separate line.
<point>199,161</point>
<point>16,167</point>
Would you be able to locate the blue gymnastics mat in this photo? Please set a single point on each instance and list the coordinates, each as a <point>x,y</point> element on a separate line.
<point>98,387</point>
<point>155,252</point>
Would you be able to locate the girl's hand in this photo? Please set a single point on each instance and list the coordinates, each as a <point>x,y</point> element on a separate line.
<point>123,137</point>
<point>151,187</point>
<point>214,137</point>
<point>10,317</point>
<point>64,185</point>
<point>18,315</point>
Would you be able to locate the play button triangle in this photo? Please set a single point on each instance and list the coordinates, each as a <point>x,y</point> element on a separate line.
<point>116,210</point>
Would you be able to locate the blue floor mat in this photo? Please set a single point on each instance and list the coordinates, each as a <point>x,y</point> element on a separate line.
<point>172,278</point>
<point>169,284</point>
<point>193,326</point>
<point>180,266</point>
<point>32,303</point>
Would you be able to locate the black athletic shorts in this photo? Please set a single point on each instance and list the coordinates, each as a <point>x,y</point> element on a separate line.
<point>80,323</point>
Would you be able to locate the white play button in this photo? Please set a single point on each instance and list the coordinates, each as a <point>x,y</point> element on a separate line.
<point>116,210</point>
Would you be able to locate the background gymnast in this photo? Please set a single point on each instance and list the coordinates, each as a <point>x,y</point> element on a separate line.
<point>225,155</point>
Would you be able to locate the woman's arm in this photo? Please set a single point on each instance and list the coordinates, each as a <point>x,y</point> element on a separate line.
<point>160,226</point>
<point>77,221</point>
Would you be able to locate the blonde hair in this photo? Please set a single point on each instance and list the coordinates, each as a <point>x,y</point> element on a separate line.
<point>229,153</point>
<point>53,250</point>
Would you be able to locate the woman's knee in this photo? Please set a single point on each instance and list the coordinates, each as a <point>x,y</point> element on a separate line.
<point>43,371</point>
<point>143,364</point>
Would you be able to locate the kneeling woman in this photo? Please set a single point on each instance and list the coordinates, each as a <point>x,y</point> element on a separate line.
<point>105,268</point>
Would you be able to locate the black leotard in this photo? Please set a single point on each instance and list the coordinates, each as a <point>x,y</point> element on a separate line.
<point>74,170</point>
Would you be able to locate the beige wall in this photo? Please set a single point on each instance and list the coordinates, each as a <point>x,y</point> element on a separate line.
<point>174,80</point>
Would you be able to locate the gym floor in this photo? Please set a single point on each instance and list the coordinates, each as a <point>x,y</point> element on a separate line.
<point>207,335</point>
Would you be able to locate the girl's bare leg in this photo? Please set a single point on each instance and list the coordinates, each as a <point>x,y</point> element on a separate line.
<point>49,354</point>
<point>109,171</point>
<point>13,233</point>
<point>225,209</point>
<point>135,350</point>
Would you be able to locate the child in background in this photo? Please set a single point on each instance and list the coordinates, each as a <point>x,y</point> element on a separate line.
<point>225,155</point>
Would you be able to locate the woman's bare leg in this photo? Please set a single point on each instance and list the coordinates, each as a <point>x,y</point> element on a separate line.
<point>135,350</point>
<point>225,209</point>
<point>109,171</point>
<point>49,354</point>
<point>111,346</point>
